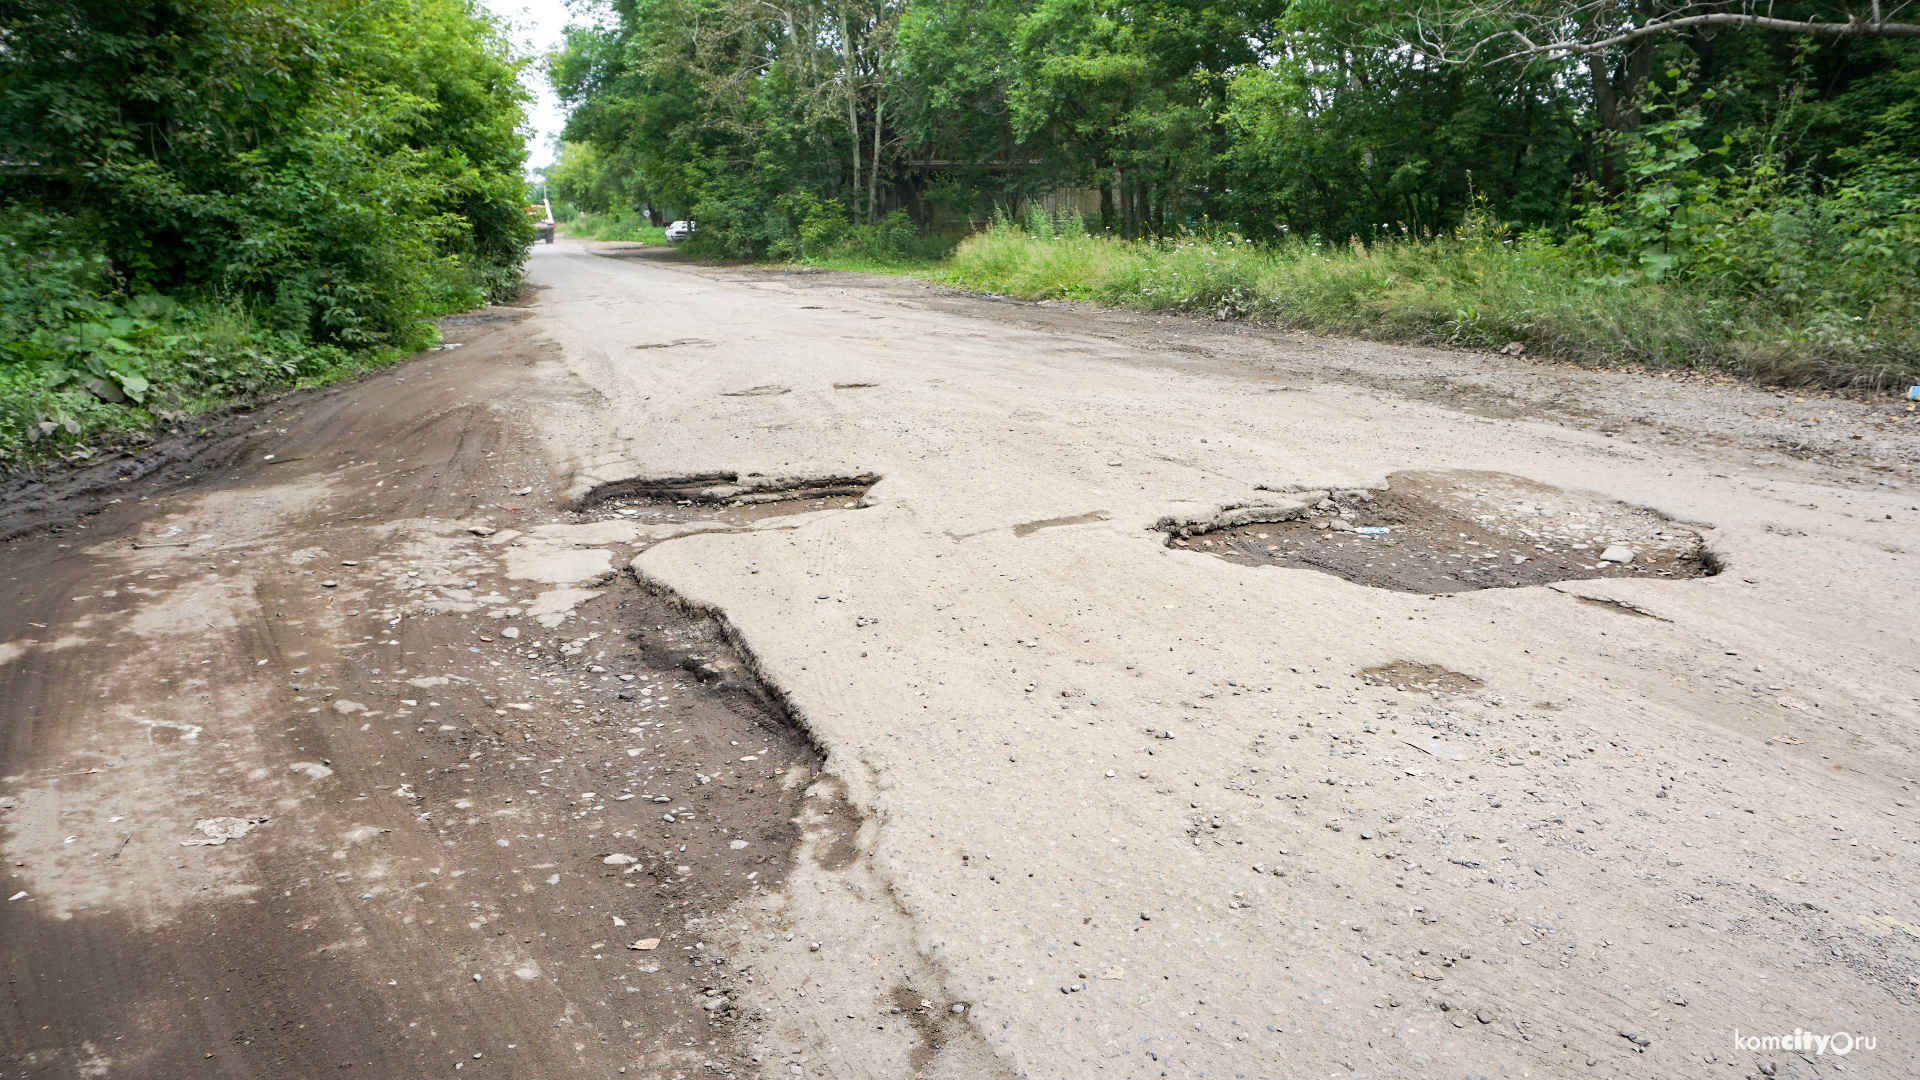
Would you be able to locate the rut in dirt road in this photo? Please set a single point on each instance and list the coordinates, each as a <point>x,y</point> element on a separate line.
<point>476,802</point>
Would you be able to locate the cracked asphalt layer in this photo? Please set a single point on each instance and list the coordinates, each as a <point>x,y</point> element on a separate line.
<point>1087,803</point>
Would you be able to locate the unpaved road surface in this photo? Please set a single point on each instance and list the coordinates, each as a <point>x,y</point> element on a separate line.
<point>719,671</point>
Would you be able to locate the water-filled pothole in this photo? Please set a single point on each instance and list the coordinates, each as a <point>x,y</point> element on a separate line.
<point>1438,532</point>
<point>731,498</point>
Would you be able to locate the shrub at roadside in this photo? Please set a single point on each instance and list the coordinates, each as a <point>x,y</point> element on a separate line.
<point>304,183</point>
<point>618,224</point>
<point>1694,264</point>
<point>80,361</point>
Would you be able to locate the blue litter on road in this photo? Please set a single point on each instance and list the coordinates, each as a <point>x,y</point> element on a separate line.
<point>1373,530</point>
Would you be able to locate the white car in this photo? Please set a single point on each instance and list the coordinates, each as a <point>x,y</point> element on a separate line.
<point>679,231</point>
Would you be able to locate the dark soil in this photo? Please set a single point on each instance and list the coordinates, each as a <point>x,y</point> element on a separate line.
<point>492,822</point>
<point>1437,538</point>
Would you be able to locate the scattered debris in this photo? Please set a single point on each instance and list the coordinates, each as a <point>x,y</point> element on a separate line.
<point>219,830</point>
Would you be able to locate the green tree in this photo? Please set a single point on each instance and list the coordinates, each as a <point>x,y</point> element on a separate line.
<point>346,166</point>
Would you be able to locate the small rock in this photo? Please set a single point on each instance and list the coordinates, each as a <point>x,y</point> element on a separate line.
<point>221,829</point>
<point>1635,1039</point>
<point>1483,1016</point>
<point>482,530</point>
<point>619,860</point>
<point>329,584</point>
<point>958,1008</point>
<point>1340,525</point>
<point>647,944</point>
<point>1618,554</point>
<point>510,633</point>
<point>1146,916</point>
<point>1366,834</point>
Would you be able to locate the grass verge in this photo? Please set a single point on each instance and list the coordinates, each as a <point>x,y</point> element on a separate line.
<point>1485,292</point>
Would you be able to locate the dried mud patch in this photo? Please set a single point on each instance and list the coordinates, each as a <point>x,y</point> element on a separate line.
<point>1413,675</point>
<point>1443,532</point>
<point>932,1023</point>
<point>833,826</point>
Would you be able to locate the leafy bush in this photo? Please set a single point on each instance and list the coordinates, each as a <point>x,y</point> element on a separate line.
<point>616,224</point>
<point>80,360</point>
<point>207,198</point>
<point>1481,288</point>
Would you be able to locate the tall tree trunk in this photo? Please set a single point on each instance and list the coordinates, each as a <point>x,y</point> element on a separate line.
<point>873,165</point>
<point>853,118</point>
<point>1618,84</point>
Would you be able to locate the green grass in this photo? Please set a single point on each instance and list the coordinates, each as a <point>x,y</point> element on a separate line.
<point>860,263</point>
<point>628,227</point>
<point>1484,292</point>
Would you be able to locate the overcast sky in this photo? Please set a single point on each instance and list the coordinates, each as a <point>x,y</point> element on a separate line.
<point>535,28</point>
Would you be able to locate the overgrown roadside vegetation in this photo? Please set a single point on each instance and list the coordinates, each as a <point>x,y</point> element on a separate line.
<point>1797,293</point>
<point>205,200</point>
<point>617,225</point>
<point>1601,180</point>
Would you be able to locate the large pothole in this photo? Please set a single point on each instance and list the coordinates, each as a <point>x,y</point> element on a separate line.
<point>729,498</point>
<point>1440,532</point>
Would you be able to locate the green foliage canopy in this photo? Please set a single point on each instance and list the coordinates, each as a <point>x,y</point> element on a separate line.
<point>346,165</point>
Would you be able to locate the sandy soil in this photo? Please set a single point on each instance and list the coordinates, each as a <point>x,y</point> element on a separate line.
<point>1005,750</point>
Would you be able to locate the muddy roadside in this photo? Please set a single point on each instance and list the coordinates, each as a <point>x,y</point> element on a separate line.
<point>316,756</point>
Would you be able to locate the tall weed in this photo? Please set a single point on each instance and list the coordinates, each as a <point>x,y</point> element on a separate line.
<point>1481,288</point>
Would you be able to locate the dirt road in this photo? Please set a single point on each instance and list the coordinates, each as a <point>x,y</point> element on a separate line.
<point>719,671</point>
